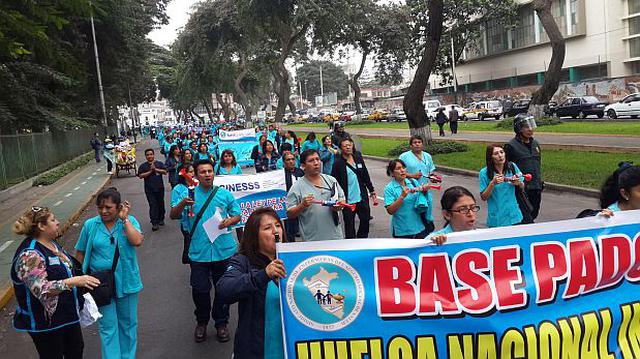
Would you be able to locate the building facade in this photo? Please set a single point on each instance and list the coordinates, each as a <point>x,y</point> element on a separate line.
<point>602,51</point>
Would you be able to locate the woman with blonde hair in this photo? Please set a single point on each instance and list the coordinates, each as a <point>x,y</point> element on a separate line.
<point>46,289</point>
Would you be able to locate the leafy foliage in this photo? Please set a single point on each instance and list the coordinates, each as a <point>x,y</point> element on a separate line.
<point>52,176</point>
<point>334,79</point>
<point>435,148</point>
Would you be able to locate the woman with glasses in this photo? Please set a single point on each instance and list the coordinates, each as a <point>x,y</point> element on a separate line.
<point>114,231</point>
<point>45,287</point>
<point>497,186</point>
<point>402,197</point>
<point>459,210</point>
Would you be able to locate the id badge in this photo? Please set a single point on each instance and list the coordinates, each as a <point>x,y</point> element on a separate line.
<point>54,261</point>
<point>358,165</point>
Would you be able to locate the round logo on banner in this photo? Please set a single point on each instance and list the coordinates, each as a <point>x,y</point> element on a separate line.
<point>325,293</point>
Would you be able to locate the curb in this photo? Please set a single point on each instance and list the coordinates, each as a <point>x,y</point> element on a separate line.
<point>6,293</point>
<point>552,146</point>
<point>556,187</point>
<point>26,184</point>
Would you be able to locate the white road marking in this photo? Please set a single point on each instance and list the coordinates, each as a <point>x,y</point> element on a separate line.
<point>68,194</point>
<point>85,182</point>
<point>77,188</point>
<point>57,203</point>
<point>90,177</point>
<point>94,173</point>
<point>5,245</point>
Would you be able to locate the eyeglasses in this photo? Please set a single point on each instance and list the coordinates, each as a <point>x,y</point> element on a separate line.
<point>466,210</point>
<point>36,209</point>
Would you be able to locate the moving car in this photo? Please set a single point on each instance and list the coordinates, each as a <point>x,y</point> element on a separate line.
<point>347,115</point>
<point>397,115</point>
<point>483,109</point>
<point>628,106</point>
<point>582,107</point>
<point>378,115</point>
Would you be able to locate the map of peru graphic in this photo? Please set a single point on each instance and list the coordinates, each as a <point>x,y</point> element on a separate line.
<point>332,303</point>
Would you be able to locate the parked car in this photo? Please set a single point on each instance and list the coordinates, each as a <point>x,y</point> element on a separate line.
<point>431,107</point>
<point>518,107</point>
<point>378,115</point>
<point>550,108</point>
<point>458,108</point>
<point>346,115</point>
<point>582,107</point>
<point>397,115</point>
<point>628,106</point>
<point>483,109</point>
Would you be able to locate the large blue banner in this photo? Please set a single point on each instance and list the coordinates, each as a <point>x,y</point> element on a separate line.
<point>242,151</point>
<point>564,289</point>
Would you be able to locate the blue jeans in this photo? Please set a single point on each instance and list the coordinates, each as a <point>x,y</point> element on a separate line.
<point>97,154</point>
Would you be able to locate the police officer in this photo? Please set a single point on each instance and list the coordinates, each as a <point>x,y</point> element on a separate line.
<point>524,151</point>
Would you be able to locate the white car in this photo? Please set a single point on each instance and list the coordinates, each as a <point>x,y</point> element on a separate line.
<point>628,106</point>
<point>458,108</point>
<point>431,107</point>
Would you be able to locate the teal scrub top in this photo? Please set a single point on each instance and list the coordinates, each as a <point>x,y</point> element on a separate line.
<point>202,250</point>
<point>221,171</point>
<point>179,192</point>
<point>406,221</point>
<point>446,230</point>
<point>167,146</point>
<point>310,145</point>
<point>291,141</point>
<point>615,207</point>
<point>426,166</point>
<point>273,346</point>
<point>503,209</point>
<point>200,156</point>
<point>271,136</point>
<point>354,187</point>
<point>98,251</point>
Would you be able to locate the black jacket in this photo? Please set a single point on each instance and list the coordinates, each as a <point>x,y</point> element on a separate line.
<point>246,284</point>
<point>528,157</point>
<point>339,172</point>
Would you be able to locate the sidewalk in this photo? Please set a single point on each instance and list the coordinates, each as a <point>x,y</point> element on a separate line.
<point>66,198</point>
<point>602,143</point>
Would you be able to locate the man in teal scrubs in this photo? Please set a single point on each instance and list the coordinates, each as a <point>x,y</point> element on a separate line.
<point>419,166</point>
<point>209,257</point>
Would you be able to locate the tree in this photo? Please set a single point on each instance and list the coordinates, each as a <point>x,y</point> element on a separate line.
<point>552,77</point>
<point>427,28</point>
<point>375,31</point>
<point>334,79</point>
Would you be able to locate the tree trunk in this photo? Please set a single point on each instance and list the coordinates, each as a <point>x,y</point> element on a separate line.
<point>225,106</point>
<point>412,103</point>
<point>282,82</point>
<point>353,82</point>
<point>292,107</point>
<point>242,95</point>
<point>206,106</point>
<point>552,77</point>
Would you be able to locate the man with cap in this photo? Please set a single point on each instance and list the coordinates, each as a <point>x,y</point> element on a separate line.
<point>525,152</point>
<point>338,133</point>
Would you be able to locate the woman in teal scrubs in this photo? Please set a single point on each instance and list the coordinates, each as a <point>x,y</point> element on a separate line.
<point>311,143</point>
<point>400,198</point>
<point>621,191</point>
<point>459,210</point>
<point>100,236</point>
<point>419,167</point>
<point>228,165</point>
<point>497,181</point>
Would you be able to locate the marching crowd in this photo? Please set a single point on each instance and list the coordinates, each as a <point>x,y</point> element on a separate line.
<point>328,186</point>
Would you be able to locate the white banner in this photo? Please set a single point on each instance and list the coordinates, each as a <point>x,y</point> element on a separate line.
<point>240,135</point>
<point>267,189</point>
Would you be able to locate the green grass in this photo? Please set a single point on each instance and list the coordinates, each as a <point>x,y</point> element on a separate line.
<point>54,175</point>
<point>575,168</point>
<point>596,128</point>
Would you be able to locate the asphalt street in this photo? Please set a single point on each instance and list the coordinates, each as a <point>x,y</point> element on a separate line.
<point>166,320</point>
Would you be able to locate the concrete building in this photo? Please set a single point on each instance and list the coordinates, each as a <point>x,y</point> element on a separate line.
<point>602,51</point>
<point>155,112</point>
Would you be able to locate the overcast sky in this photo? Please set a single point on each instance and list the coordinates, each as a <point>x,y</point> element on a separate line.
<point>178,12</point>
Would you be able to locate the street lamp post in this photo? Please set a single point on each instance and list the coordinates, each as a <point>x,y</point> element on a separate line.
<point>100,88</point>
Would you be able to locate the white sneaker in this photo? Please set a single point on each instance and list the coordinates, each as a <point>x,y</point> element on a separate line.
<point>110,172</point>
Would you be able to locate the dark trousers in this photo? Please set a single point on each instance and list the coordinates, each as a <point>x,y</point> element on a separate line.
<point>292,226</point>
<point>204,275</point>
<point>65,342</point>
<point>96,152</point>
<point>364,214</point>
<point>453,125</point>
<point>441,125</point>
<point>535,197</point>
<point>109,165</point>
<point>156,206</point>
<point>420,235</point>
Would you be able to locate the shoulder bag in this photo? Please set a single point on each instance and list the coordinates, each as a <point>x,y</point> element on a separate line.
<point>106,290</point>
<point>187,238</point>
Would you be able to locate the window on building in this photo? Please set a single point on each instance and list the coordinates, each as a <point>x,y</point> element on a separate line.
<point>475,47</point>
<point>564,75</point>
<point>527,80</point>
<point>500,83</point>
<point>635,67</point>
<point>593,71</point>
<point>634,6</point>
<point>634,47</point>
<point>573,7</point>
<point>524,34</point>
<point>634,26</point>
<point>496,37</point>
